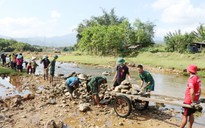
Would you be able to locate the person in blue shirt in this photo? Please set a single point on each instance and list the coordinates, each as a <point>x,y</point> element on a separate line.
<point>72,83</point>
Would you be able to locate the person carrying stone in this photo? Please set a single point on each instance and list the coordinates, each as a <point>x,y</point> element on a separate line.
<point>94,85</point>
<point>121,71</point>
<point>52,67</point>
<point>46,63</point>
<point>72,83</point>
<point>192,94</point>
<point>147,81</point>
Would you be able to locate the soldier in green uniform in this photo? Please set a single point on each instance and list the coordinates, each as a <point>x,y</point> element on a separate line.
<point>52,67</point>
<point>146,78</point>
<point>94,85</point>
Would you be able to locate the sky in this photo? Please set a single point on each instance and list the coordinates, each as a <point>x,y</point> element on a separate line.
<point>47,18</point>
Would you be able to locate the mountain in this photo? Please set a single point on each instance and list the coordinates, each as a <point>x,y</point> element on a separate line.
<point>57,41</point>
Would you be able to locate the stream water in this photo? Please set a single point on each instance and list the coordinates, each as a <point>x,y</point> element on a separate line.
<point>165,84</point>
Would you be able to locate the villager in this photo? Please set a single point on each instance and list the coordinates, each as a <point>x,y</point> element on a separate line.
<point>72,83</point>
<point>46,63</point>
<point>33,65</point>
<point>192,94</point>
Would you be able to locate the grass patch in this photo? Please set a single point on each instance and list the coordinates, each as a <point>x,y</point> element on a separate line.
<point>169,60</point>
<point>159,59</point>
<point>4,70</point>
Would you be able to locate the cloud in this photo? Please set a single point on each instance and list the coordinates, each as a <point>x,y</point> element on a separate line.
<point>29,26</point>
<point>178,14</point>
<point>26,27</point>
<point>55,14</point>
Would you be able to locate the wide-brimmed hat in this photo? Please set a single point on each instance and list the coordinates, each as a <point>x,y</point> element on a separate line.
<point>192,68</point>
<point>33,58</point>
<point>120,61</point>
<point>82,76</point>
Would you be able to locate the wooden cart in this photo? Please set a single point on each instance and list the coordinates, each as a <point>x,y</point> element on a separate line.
<point>124,103</point>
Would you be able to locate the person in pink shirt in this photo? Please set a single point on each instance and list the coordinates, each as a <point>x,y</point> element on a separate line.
<point>192,95</point>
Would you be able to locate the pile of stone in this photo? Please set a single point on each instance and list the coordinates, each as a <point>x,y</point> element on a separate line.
<point>124,87</point>
<point>127,88</point>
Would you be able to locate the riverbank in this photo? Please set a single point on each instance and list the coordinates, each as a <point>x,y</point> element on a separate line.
<point>161,61</point>
<point>53,103</point>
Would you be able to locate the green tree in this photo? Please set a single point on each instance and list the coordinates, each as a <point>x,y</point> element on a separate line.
<point>178,42</point>
<point>110,34</point>
<point>199,33</point>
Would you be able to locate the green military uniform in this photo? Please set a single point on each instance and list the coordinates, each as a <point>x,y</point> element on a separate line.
<point>94,83</point>
<point>147,77</point>
<point>52,68</point>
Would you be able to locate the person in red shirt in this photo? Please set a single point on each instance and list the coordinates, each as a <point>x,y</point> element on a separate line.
<point>192,95</point>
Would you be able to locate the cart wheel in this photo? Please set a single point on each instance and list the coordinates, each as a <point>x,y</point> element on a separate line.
<point>140,105</point>
<point>122,106</point>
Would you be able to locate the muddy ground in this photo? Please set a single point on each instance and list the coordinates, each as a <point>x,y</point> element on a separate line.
<point>52,102</point>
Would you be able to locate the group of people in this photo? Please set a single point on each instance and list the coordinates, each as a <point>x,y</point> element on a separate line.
<point>93,86</point>
<point>95,82</point>
<point>147,84</point>
<point>47,64</point>
<point>15,61</point>
<point>147,81</point>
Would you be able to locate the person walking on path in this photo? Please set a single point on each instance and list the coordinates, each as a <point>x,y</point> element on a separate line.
<point>192,94</point>
<point>147,81</point>
<point>52,68</point>
<point>94,85</point>
<point>46,63</point>
<point>121,71</point>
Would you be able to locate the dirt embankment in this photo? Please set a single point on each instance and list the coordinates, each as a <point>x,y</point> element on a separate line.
<point>52,102</point>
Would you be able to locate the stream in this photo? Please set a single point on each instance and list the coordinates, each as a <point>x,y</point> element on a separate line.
<point>165,84</point>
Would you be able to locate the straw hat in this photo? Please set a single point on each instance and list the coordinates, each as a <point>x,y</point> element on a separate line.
<point>82,76</point>
<point>33,58</point>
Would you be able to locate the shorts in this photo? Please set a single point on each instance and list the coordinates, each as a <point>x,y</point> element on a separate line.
<point>52,73</point>
<point>19,67</point>
<point>188,111</point>
<point>94,89</point>
<point>70,88</point>
<point>45,71</point>
<point>150,87</point>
